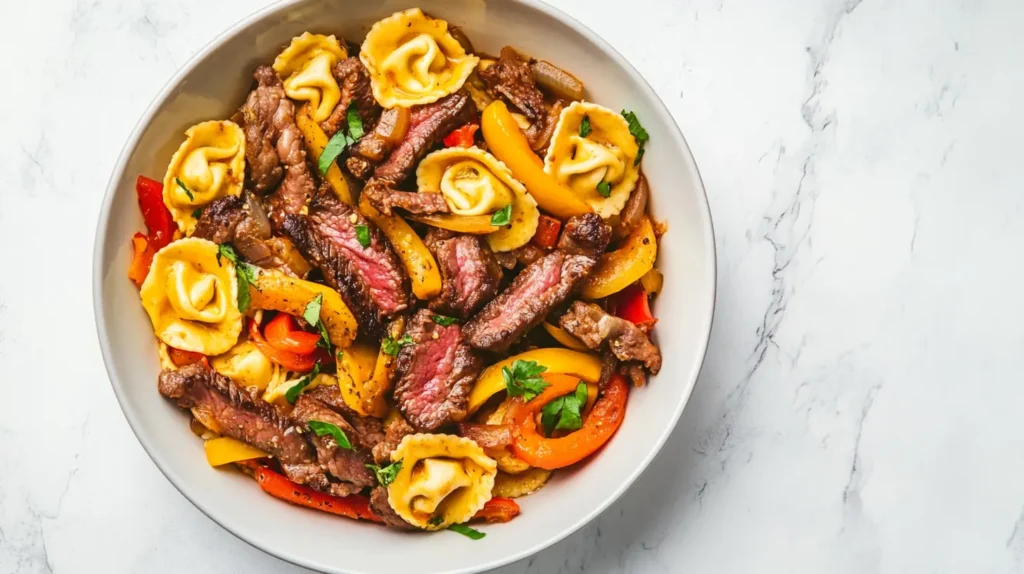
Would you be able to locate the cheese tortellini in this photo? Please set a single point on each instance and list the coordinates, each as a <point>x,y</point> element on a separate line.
<point>413,60</point>
<point>444,480</point>
<point>248,367</point>
<point>605,155</point>
<point>475,182</point>
<point>305,67</point>
<point>208,165</point>
<point>192,298</point>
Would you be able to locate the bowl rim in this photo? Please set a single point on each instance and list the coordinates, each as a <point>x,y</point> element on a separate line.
<point>117,175</point>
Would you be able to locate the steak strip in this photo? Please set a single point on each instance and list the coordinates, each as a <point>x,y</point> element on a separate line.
<point>355,91</point>
<point>470,274</point>
<point>347,465</point>
<point>592,325</point>
<point>428,124</point>
<point>385,198</point>
<point>540,287</point>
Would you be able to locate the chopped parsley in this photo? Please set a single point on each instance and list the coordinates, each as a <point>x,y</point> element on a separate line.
<point>363,235</point>
<point>246,275</point>
<point>436,520</point>
<point>502,216</point>
<point>341,140</point>
<point>312,316</point>
<point>565,412</point>
<point>197,213</point>
<point>638,132</point>
<point>321,428</point>
<point>188,191</point>
<point>385,476</point>
<point>391,346</point>
<point>355,122</point>
<point>292,394</point>
<point>585,127</point>
<point>466,531</point>
<point>604,188</point>
<point>442,320</point>
<point>523,379</point>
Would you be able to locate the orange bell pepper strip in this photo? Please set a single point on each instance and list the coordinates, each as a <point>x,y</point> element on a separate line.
<point>182,358</point>
<point>142,259</point>
<point>461,137</point>
<point>535,449</point>
<point>508,143</point>
<point>353,506</point>
<point>547,232</point>
<point>299,363</point>
<point>497,510</point>
<point>283,334</point>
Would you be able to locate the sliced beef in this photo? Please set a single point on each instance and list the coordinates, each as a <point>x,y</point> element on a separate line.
<point>609,366</point>
<point>372,148</point>
<point>512,78</point>
<point>369,430</point>
<point>540,287</point>
<point>382,508</point>
<point>470,273</point>
<point>385,198</point>
<point>487,436</point>
<point>239,415</point>
<point>434,373</point>
<point>348,466</point>
<point>428,124</point>
<point>634,372</point>
<point>371,279</point>
<point>360,167</point>
<point>219,219</point>
<point>595,327</point>
<point>355,91</point>
<point>274,148</point>
<point>395,429</point>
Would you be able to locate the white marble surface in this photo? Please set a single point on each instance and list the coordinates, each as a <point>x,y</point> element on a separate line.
<point>859,410</point>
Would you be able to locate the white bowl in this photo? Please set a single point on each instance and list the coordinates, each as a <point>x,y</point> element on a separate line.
<point>212,86</point>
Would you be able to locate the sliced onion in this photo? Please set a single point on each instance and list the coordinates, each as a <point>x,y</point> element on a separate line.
<point>634,209</point>
<point>557,81</point>
<point>462,39</point>
<point>393,125</point>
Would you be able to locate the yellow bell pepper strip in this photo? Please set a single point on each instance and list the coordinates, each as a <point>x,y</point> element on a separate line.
<point>560,335</point>
<point>472,224</point>
<point>276,291</point>
<point>550,453</point>
<point>652,281</point>
<point>417,259</point>
<point>508,143</point>
<point>619,269</point>
<point>355,368</point>
<point>368,396</point>
<point>586,366</point>
<point>316,141</point>
<point>223,450</point>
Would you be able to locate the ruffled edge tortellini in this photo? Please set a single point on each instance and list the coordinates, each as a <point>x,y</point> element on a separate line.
<point>606,154</point>
<point>474,182</point>
<point>192,298</point>
<point>209,165</point>
<point>248,367</point>
<point>305,68</point>
<point>444,480</point>
<point>413,60</point>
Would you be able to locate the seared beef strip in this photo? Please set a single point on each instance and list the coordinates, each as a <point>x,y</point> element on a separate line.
<point>372,148</point>
<point>347,465</point>
<point>434,373</point>
<point>428,124</point>
<point>592,325</point>
<point>371,279</point>
<point>382,508</point>
<point>369,430</point>
<point>470,274</point>
<point>359,167</point>
<point>269,119</point>
<point>487,436</point>
<point>540,287</point>
<point>635,372</point>
<point>385,198</point>
<point>395,429</point>
<point>511,77</point>
<point>239,415</point>
<point>609,366</point>
<point>355,91</point>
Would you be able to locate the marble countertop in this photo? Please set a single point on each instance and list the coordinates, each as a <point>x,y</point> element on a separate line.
<point>858,409</point>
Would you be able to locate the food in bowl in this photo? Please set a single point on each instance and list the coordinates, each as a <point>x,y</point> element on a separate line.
<point>404,287</point>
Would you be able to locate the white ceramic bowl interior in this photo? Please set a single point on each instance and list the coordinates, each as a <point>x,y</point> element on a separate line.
<point>212,86</point>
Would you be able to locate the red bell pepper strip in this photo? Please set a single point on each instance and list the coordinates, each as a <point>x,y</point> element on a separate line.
<point>158,219</point>
<point>498,510</point>
<point>547,232</point>
<point>182,358</point>
<point>284,334</point>
<point>537,450</point>
<point>353,506</point>
<point>461,137</point>
<point>142,259</point>
<point>300,363</point>
<point>632,305</point>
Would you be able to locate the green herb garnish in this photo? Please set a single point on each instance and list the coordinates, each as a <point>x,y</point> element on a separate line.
<point>523,379</point>
<point>435,520</point>
<point>355,122</point>
<point>312,316</point>
<point>638,132</point>
<point>442,320</point>
<point>292,394</point>
<point>363,235</point>
<point>604,188</point>
<point>246,275</point>
<point>197,213</point>
<point>188,191</point>
<point>585,127</point>
<point>502,216</point>
<point>332,150</point>
<point>466,531</point>
<point>386,475</point>
<point>391,346</point>
<point>321,428</point>
<point>565,412</point>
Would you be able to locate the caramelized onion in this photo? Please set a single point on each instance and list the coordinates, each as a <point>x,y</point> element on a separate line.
<point>393,125</point>
<point>462,39</point>
<point>634,209</point>
<point>556,80</point>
